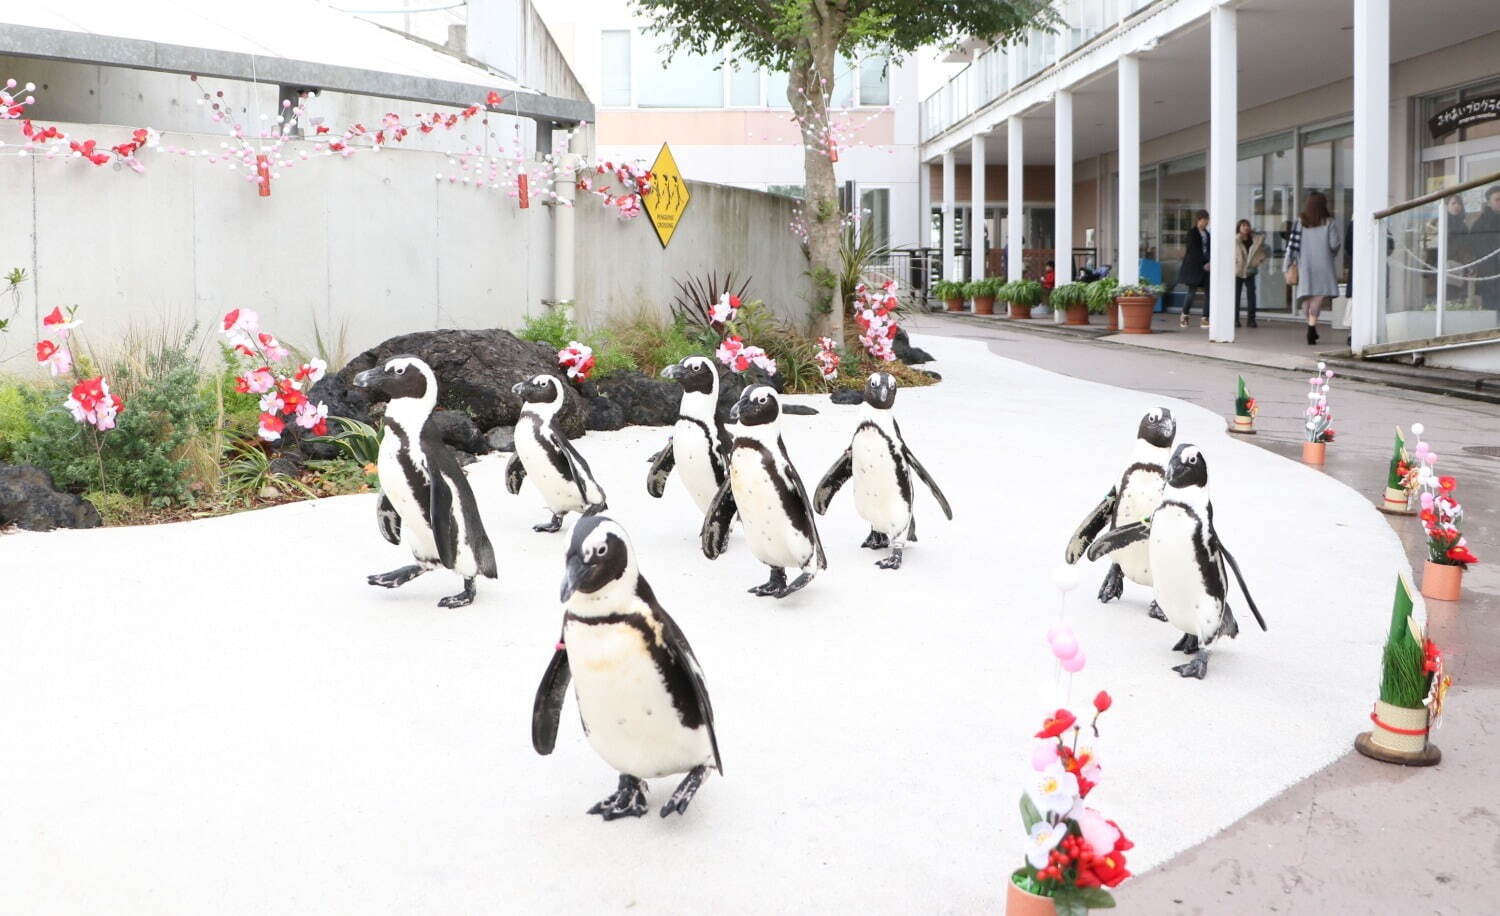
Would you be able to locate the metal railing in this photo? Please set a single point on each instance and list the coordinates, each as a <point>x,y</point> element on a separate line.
<point>1440,264</point>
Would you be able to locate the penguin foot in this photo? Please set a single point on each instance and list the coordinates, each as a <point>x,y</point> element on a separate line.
<point>1155,612</point>
<point>1113,585</point>
<point>876,541</point>
<point>398,577</point>
<point>797,584</point>
<point>893,561</point>
<point>685,791</point>
<point>549,527</point>
<point>1197,668</point>
<point>1188,644</point>
<point>773,585</point>
<point>629,800</point>
<point>462,599</point>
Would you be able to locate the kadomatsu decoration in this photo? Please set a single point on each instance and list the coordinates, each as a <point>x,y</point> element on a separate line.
<point>1413,685</point>
<point>1245,410</point>
<point>1400,477</point>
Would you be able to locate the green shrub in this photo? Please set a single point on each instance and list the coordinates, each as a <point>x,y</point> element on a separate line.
<point>654,344</point>
<point>17,418</point>
<point>1070,294</point>
<point>1101,295</point>
<point>949,289</point>
<point>554,328</point>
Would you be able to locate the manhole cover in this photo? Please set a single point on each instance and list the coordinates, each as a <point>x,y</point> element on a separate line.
<point>1488,451</point>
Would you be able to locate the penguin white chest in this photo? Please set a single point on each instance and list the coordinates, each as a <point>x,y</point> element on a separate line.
<point>1140,498</point>
<point>405,494</point>
<point>877,488</point>
<point>559,493</point>
<point>1177,579</point>
<point>625,705</point>
<point>692,453</point>
<point>773,538</point>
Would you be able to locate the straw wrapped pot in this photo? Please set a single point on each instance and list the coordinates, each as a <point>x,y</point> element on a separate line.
<point>1399,736</point>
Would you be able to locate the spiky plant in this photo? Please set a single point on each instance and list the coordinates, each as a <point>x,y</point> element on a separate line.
<point>1403,681</point>
<point>697,295</point>
<point>1395,475</point>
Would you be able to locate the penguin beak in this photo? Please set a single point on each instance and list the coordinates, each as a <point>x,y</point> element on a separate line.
<point>672,371</point>
<point>516,388</point>
<point>572,576</point>
<point>367,378</point>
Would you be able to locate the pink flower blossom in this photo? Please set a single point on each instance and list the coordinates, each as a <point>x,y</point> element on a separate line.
<point>310,415</point>
<point>261,380</point>
<point>1043,755</point>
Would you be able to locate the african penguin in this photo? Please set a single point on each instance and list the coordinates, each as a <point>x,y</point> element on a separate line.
<point>878,458</point>
<point>1133,498</point>
<point>544,453</point>
<point>641,695</point>
<point>1187,560</point>
<point>699,441</point>
<point>768,494</point>
<point>425,499</point>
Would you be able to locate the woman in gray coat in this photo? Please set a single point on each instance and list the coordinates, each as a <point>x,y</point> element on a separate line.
<point>1314,242</point>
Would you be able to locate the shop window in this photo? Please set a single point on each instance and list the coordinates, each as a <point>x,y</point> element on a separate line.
<point>687,80</point>
<point>614,68</point>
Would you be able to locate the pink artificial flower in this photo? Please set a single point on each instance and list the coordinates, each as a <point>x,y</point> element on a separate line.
<point>728,353</point>
<point>259,381</point>
<point>312,371</point>
<point>58,360</point>
<point>273,349</point>
<point>1043,755</point>
<point>241,320</point>
<point>310,415</point>
<point>1097,832</point>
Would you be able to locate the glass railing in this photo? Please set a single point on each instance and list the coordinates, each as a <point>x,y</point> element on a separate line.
<point>1440,271</point>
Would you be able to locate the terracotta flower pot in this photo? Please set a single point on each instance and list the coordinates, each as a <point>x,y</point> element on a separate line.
<point>1077,314</point>
<point>1136,313</point>
<point>1394,502</point>
<point>955,305</point>
<point>1242,425</point>
<point>1314,452</point>
<point>1020,311</point>
<point>1024,903</point>
<point>1442,581</point>
<point>1112,318</point>
<point>984,305</point>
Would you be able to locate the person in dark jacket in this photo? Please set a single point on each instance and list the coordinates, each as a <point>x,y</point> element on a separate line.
<point>1194,271</point>
<point>1483,241</point>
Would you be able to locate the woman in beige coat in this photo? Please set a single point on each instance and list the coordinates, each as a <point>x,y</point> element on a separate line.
<point>1249,253</point>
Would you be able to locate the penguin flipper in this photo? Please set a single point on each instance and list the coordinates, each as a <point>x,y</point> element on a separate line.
<point>389,520</point>
<point>1241,579</point>
<point>807,506</point>
<point>676,643</point>
<point>1092,525</point>
<point>578,470</point>
<point>715,532</point>
<point>546,711</point>
<point>837,476</point>
<point>515,472</point>
<point>661,467</point>
<point>440,514</point>
<point>1115,538</point>
<point>927,479</point>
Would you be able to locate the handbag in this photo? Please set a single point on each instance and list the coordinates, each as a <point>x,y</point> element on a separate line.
<point>1291,275</point>
<point>1294,246</point>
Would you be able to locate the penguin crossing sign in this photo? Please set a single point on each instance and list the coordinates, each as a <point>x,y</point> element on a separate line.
<point>668,196</point>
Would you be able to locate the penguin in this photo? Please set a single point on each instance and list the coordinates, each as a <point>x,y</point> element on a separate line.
<point>699,441</point>
<point>878,458</point>
<point>1134,497</point>
<point>768,494</point>
<point>425,499</point>
<point>1187,560</point>
<point>559,472</point>
<point>640,691</point>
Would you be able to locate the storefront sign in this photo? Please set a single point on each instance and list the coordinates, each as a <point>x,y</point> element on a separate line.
<point>668,196</point>
<point>1465,114</point>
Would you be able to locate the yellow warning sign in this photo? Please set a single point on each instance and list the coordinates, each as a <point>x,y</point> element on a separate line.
<point>668,196</point>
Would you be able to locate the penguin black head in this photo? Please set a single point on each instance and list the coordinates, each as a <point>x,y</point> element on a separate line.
<point>757,406</point>
<point>695,374</point>
<point>880,390</point>
<point>598,558</point>
<point>400,377</point>
<point>1158,427</point>
<point>539,389</point>
<point>1188,467</point>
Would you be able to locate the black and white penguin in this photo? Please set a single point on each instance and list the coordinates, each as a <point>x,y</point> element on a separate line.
<point>641,695</point>
<point>425,499</point>
<point>768,494</point>
<point>544,453</point>
<point>1187,560</point>
<point>878,459</point>
<point>1135,497</point>
<point>699,441</point>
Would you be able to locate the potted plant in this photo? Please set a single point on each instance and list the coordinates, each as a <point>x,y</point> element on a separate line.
<point>1245,410</point>
<point>1022,295</point>
<point>1319,424</point>
<point>951,293</point>
<point>1072,299</point>
<point>1400,477</point>
<point>1447,551</point>
<point>1136,301</point>
<point>983,293</point>
<point>1412,688</point>
<point>1101,300</point>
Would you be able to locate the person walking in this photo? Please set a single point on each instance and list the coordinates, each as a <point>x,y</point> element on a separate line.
<point>1484,249</point>
<point>1249,253</point>
<point>1309,259</point>
<point>1194,271</point>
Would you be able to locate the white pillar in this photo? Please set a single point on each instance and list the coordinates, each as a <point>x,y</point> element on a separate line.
<point>1223,147</point>
<point>563,247</point>
<point>924,206</point>
<point>950,269</point>
<point>1372,117</point>
<point>1128,263</point>
<point>976,207</point>
<point>1062,180</point>
<point>1015,197</point>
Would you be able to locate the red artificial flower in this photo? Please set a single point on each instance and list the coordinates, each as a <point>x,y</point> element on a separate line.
<point>471,111</point>
<point>1328,435</point>
<point>1431,657</point>
<point>230,318</point>
<point>734,301</point>
<point>1103,701</point>
<point>1056,724</point>
<point>118,403</point>
<point>1461,555</point>
<point>492,99</point>
<point>1447,484</point>
<point>336,146</point>
<point>89,392</point>
<point>44,350</point>
<point>320,428</point>
<point>243,350</point>
<point>140,135</point>
<point>1427,516</point>
<point>54,317</point>
<point>321,129</point>
<point>240,385</point>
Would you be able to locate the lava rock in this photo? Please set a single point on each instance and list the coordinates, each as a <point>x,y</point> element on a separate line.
<point>28,499</point>
<point>906,352</point>
<point>602,414</point>
<point>847,396</point>
<point>501,438</point>
<point>644,401</point>
<point>287,463</point>
<point>799,410</point>
<point>733,384</point>
<point>459,431</point>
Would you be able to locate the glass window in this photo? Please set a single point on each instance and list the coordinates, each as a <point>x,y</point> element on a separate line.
<point>687,81</point>
<point>875,214</point>
<point>874,86</point>
<point>843,83</point>
<point>744,85</point>
<point>776,89</point>
<point>614,68</point>
<point>794,191</point>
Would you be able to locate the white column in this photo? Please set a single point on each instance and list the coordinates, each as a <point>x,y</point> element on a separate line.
<point>950,270</point>
<point>1015,197</point>
<point>924,206</point>
<point>1128,263</point>
<point>1372,117</point>
<point>976,207</point>
<point>563,248</point>
<point>1223,146</point>
<point>1062,180</point>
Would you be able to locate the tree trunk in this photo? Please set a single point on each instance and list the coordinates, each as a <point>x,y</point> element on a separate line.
<point>808,91</point>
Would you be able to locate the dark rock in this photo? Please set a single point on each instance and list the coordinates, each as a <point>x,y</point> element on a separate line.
<point>459,431</point>
<point>603,414</point>
<point>475,372</point>
<point>501,438</point>
<point>645,401</point>
<point>733,384</point>
<point>29,500</point>
<point>799,410</point>
<point>906,352</point>
<point>847,396</point>
<point>929,373</point>
<point>287,463</point>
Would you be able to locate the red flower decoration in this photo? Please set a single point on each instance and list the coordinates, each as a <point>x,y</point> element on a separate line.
<point>1103,701</point>
<point>492,99</point>
<point>1447,484</point>
<point>53,318</point>
<point>44,350</point>
<point>1056,724</point>
<point>1461,555</point>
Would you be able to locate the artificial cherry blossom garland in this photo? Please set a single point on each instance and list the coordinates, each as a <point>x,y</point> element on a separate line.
<point>1319,423</point>
<point>734,353</point>
<point>577,359</point>
<point>90,401</point>
<point>282,397</point>
<point>827,358</point>
<point>875,314</point>
<point>1441,512</point>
